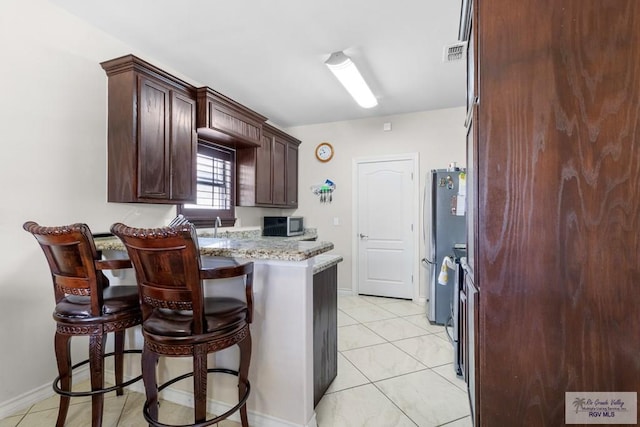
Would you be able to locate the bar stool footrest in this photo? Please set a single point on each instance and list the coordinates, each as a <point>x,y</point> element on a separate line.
<point>61,392</point>
<point>206,423</point>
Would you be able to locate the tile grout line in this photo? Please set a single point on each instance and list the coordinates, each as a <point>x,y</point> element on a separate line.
<point>387,341</point>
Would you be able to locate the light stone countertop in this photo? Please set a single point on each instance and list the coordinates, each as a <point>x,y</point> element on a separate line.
<point>325,261</point>
<point>255,247</point>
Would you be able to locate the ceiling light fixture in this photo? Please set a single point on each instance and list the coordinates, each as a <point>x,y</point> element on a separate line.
<point>347,73</point>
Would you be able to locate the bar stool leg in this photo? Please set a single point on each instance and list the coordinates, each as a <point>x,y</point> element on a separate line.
<point>243,373</point>
<point>97,343</point>
<point>62,348</point>
<point>149,362</point>
<point>119,360</point>
<point>200,382</point>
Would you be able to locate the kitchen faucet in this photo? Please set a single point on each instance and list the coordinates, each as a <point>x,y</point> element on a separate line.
<point>216,225</point>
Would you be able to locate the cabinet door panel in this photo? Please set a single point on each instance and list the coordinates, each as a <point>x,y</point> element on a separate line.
<point>325,331</point>
<point>183,148</point>
<point>279,172</point>
<point>263,171</point>
<point>292,175</point>
<point>153,142</point>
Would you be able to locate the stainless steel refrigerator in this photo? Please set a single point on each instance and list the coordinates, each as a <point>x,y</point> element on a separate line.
<point>444,225</point>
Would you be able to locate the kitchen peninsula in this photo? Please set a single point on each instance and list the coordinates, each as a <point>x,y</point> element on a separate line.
<point>282,361</point>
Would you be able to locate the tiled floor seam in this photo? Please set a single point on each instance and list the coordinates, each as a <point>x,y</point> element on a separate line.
<point>21,419</point>
<point>452,421</point>
<point>426,368</point>
<point>357,369</point>
<point>413,357</point>
<point>394,404</point>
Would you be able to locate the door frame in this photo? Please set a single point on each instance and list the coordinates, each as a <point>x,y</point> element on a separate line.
<point>355,241</point>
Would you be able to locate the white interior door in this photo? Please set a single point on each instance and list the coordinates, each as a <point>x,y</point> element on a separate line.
<point>386,211</point>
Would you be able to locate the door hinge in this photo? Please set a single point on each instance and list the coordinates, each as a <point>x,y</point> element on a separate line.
<point>411,227</point>
<point>412,278</point>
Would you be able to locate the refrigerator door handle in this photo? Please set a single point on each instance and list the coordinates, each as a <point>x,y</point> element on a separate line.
<point>426,261</point>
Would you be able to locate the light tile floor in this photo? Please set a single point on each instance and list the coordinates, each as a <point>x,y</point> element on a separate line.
<point>395,369</point>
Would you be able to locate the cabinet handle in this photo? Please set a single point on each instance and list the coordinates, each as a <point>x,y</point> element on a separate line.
<point>363,236</point>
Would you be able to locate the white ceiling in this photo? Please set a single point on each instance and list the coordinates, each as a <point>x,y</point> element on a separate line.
<point>269,54</point>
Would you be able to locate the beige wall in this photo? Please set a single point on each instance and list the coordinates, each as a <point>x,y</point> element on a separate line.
<point>437,136</point>
<point>53,141</point>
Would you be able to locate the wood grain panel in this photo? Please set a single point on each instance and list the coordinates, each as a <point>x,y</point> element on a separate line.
<point>558,205</point>
<point>121,141</point>
<point>184,148</point>
<point>292,176</point>
<point>325,331</point>
<point>153,142</point>
<point>279,171</point>
<point>264,179</point>
<point>228,120</point>
<point>224,121</point>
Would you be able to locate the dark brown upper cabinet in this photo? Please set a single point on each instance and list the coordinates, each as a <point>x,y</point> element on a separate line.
<point>268,174</point>
<point>224,121</point>
<point>152,141</point>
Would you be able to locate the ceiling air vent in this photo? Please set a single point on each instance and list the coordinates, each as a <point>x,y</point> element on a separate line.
<point>455,52</point>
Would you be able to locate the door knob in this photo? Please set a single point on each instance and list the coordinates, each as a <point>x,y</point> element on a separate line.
<point>363,236</point>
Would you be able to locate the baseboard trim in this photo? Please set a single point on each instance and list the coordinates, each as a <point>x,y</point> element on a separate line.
<point>180,397</point>
<point>185,398</point>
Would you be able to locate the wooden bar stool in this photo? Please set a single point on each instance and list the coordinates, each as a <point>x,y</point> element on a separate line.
<point>86,305</point>
<point>178,320</point>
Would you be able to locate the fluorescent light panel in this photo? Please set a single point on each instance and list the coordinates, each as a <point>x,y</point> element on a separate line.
<point>347,73</point>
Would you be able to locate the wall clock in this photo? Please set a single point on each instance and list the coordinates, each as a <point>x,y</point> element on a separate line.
<point>324,151</point>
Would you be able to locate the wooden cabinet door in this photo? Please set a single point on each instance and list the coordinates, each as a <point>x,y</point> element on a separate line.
<point>558,226</point>
<point>153,140</point>
<point>325,330</point>
<point>167,147</point>
<point>184,148</point>
<point>264,180</point>
<point>279,172</point>
<point>292,176</point>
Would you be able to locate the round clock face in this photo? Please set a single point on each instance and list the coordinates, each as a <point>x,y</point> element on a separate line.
<point>324,152</point>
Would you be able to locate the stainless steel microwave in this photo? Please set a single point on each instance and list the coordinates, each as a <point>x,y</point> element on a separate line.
<point>282,226</point>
